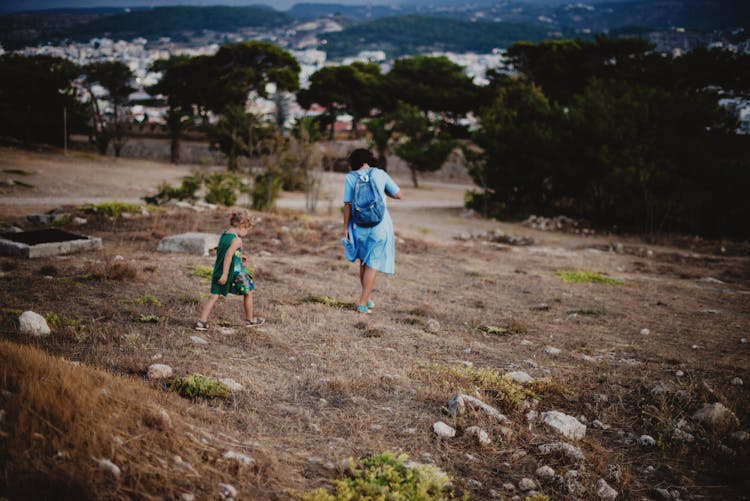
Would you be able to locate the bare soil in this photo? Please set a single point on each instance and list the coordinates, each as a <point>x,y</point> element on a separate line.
<point>322,384</point>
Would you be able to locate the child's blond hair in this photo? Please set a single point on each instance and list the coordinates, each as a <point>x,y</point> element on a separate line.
<point>241,219</point>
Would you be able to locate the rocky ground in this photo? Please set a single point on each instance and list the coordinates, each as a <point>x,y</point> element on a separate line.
<point>480,358</point>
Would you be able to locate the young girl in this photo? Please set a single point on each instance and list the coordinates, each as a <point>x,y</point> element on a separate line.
<point>230,275</point>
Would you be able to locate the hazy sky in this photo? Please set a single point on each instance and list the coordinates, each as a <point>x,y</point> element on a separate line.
<point>7,5</point>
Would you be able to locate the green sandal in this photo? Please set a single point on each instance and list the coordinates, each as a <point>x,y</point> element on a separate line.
<point>363,309</point>
<point>370,304</point>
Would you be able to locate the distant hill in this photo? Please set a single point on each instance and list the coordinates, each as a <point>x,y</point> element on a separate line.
<point>164,21</point>
<point>318,10</point>
<point>408,34</point>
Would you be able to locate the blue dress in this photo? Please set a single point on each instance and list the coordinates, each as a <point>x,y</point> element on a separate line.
<point>374,246</point>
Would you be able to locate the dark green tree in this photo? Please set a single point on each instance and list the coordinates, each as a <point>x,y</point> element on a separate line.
<point>381,132</point>
<point>238,134</point>
<point>115,77</point>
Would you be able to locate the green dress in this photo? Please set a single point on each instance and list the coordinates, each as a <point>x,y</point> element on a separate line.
<point>239,281</point>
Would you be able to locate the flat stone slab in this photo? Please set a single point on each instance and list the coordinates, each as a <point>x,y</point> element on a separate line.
<point>189,243</point>
<point>45,243</point>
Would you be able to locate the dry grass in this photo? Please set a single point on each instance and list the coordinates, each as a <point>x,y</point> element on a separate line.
<point>321,384</point>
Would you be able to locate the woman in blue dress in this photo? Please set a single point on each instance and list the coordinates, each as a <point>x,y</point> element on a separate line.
<point>374,246</point>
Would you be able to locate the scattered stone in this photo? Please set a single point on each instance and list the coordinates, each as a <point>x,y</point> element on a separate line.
<point>589,359</point>
<point>566,425</point>
<point>647,441</point>
<point>736,381</point>
<point>711,311</point>
<point>526,342</point>
<point>159,371</point>
<point>189,243</point>
<point>79,221</point>
<point>695,346</point>
<point>569,450</point>
<point>679,373</point>
<point>605,491</point>
<point>507,433</point>
<point>682,435</point>
<point>645,332</point>
<point>375,427</point>
<point>714,414</point>
<point>198,340</point>
<point>231,384</point>
<point>443,430</point>
<point>545,473</point>
<point>614,472</point>
<point>527,484</point>
<point>741,436</point>
<point>481,436</point>
<point>475,484</point>
<point>559,223</point>
<point>509,487</point>
<point>227,492</point>
<point>711,280</point>
<point>540,307</point>
<point>573,484</point>
<point>33,324</point>
<point>598,424</point>
<point>187,496</point>
<point>518,455</point>
<point>743,340</point>
<point>457,406</point>
<point>519,377</point>
<point>226,331</point>
<point>726,450</point>
<point>551,350</point>
<point>660,388</point>
<point>118,258</point>
<point>662,493</point>
<point>432,326</point>
<point>409,431</point>
<point>239,457</point>
<point>109,467</point>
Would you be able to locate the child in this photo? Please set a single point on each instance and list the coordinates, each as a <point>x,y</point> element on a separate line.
<point>230,275</point>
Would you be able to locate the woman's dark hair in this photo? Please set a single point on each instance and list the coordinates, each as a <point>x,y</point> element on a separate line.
<point>362,156</point>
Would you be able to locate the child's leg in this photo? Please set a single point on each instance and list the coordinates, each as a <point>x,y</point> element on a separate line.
<point>368,284</point>
<point>249,305</point>
<point>362,267</point>
<point>208,306</point>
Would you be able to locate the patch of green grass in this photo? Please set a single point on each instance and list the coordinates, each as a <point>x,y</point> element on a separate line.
<point>328,301</point>
<point>11,311</point>
<point>17,172</point>
<point>112,209</point>
<point>56,321</point>
<point>386,476</point>
<point>144,299</point>
<point>537,497</point>
<point>198,270</point>
<point>587,277</point>
<point>198,386</point>
<point>152,319</point>
<point>493,329</point>
<point>62,220</point>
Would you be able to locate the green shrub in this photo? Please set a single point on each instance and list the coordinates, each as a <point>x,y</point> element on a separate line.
<point>493,329</point>
<point>56,321</point>
<point>328,301</point>
<point>386,477</point>
<point>112,209</point>
<point>588,277</point>
<point>201,271</point>
<point>222,188</point>
<point>149,319</point>
<point>265,190</point>
<point>197,385</point>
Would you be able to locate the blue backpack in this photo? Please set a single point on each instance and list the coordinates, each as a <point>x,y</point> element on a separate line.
<point>368,208</point>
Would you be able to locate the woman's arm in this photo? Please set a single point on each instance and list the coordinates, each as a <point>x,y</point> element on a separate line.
<point>347,216</point>
<point>236,243</point>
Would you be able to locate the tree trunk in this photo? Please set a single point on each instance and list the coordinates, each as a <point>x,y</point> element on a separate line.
<point>414,176</point>
<point>382,161</point>
<point>174,149</point>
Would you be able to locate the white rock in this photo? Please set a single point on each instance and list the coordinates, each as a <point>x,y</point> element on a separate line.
<point>531,416</point>
<point>679,373</point>
<point>479,434</point>
<point>231,384</point>
<point>571,451</point>
<point>509,487</point>
<point>109,467</point>
<point>519,377</point>
<point>645,332</point>
<point>443,430</point>
<point>682,436</point>
<point>598,424</point>
<point>527,484</point>
<point>227,492</point>
<point>78,221</point>
<point>551,350</point>
<point>187,496</point>
<point>566,425</point>
<point>189,243</point>
<point>736,381</point>
<point>226,331</point>
<point>432,326</point>
<point>33,324</point>
<point>743,340</point>
<point>647,441</point>
<point>159,371</point>
<point>239,457</point>
<point>604,491</point>
<point>198,340</point>
<point>118,258</point>
<point>741,436</point>
<point>457,406</point>
<point>545,473</point>
<point>714,414</point>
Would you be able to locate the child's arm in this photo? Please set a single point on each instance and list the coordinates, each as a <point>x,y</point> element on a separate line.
<point>347,216</point>
<point>236,243</point>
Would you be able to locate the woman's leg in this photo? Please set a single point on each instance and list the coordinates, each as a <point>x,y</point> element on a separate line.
<point>368,283</point>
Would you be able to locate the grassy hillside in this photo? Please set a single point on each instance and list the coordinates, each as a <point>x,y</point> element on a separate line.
<point>408,34</point>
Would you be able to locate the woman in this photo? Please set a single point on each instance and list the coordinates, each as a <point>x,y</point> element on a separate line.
<point>372,245</point>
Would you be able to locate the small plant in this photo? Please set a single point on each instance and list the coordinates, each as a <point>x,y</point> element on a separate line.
<point>11,311</point>
<point>328,301</point>
<point>144,299</point>
<point>588,277</point>
<point>492,329</point>
<point>222,188</point>
<point>198,386</point>
<point>146,319</point>
<point>111,209</point>
<point>186,190</point>
<point>62,220</point>
<point>56,321</point>
<point>537,497</point>
<point>387,477</point>
<point>201,271</point>
<point>265,190</point>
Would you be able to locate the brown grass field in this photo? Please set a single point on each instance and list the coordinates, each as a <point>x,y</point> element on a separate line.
<point>321,384</point>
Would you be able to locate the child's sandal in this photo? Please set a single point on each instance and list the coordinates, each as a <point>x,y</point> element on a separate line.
<point>200,325</point>
<point>362,309</point>
<point>370,305</point>
<point>255,321</point>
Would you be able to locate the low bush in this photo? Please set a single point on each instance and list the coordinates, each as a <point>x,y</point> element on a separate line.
<point>198,386</point>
